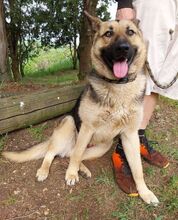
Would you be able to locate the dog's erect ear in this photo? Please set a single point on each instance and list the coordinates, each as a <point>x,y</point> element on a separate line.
<point>136,22</point>
<point>95,22</point>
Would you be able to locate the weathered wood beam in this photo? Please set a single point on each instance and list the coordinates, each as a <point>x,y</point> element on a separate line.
<point>24,110</point>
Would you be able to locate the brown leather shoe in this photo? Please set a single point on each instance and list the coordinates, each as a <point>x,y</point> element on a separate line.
<point>123,173</point>
<point>150,154</point>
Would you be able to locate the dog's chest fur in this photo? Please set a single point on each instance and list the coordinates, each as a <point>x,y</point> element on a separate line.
<point>110,108</point>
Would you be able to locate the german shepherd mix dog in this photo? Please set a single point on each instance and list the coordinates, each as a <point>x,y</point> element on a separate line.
<point>111,104</point>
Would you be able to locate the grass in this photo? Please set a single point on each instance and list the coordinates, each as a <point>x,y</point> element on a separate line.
<point>49,62</point>
<point>171,102</point>
<point>68,76</point>
<point>76,197</point>
<point>10,201</point>
<point>52,66</point>
<point>37,132</point>
<point>105,177</point>
<point>125,209</point>
<point>85,214</point>
<point>2,142</point>
<point>149,171</point>
<point>170,195</point>
<point>174,182</point>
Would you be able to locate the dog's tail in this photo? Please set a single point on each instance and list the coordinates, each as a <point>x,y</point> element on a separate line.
<point>36,152</point>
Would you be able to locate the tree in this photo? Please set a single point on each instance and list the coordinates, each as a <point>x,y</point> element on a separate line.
<point>86,39</point>
<point>4,73</point>
<point>13,33</point>
<point>19,27</point>
<point>86,34</point>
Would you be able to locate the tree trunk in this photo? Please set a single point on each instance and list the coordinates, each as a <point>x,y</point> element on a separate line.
<point>15,68</point>
<point>22,69</point>
<point>13,40</point>
<point>75,55</point>
<point>4,74</point>
<point>86,40</point>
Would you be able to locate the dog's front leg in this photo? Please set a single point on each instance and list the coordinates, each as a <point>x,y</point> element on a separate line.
<point>131,145</point>
<point>83,140</point>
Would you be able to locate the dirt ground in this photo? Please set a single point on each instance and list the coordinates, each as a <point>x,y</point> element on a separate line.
<point>22,197</point>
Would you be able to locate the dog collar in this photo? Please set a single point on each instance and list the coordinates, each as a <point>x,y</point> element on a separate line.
<point>116,81</point>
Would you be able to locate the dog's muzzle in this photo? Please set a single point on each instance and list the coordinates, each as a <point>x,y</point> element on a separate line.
<point>118,57</point>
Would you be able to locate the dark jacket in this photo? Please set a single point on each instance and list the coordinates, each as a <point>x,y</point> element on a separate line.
<point>124,4</point>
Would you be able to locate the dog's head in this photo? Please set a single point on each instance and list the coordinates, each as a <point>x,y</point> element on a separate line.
<point>118,48</point>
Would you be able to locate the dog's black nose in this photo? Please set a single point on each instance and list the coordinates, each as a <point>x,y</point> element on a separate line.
<point>122,47</point>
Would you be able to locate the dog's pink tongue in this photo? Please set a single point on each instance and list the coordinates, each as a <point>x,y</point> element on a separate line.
<point>120,69</point>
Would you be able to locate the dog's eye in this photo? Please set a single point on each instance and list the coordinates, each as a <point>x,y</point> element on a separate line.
<point>108,34</point>
<point>130,32</point>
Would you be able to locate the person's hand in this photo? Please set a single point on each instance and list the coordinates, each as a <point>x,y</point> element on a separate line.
<point>125,13</point>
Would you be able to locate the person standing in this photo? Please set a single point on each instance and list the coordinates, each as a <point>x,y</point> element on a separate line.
<point>159,25</point>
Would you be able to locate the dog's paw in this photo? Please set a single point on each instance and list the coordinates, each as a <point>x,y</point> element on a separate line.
<point>84,171</point>
<point>149,197</point>
<point>41,175</point>
<point>71,178</point>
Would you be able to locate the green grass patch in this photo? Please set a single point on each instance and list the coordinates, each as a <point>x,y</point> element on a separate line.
<point>159,218</point>
<point>171,102</point>
<point>105,177</point>
<point>10,201</point>
<point>169,196</point>
<point>67,77</point>
<point>85,214</point>
<point>52,66</point>
<point>150,171</point>
<point>174,130</point>
<point>125,209</point>
<point>2,142</point>
<point>37,132</point>
<point>49,62</point>
<point>76,197</point>
<point>174,182</point>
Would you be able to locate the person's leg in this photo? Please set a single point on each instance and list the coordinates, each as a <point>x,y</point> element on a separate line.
<point>147,151</point>
<point>150,102</point>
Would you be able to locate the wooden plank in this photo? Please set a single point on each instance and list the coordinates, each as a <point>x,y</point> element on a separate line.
<point>22,121</point>
<point>23,104</point>
<point>24,110</point>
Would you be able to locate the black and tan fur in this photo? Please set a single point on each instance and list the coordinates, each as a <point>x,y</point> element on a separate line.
<point>105,109</point>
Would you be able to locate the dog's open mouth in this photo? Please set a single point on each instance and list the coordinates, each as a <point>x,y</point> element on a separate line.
<point>120,68</point>
<point>118,57</point>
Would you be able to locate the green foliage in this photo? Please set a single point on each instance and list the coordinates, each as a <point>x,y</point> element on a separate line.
<point>102,10</point>
<point>59,21</point>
